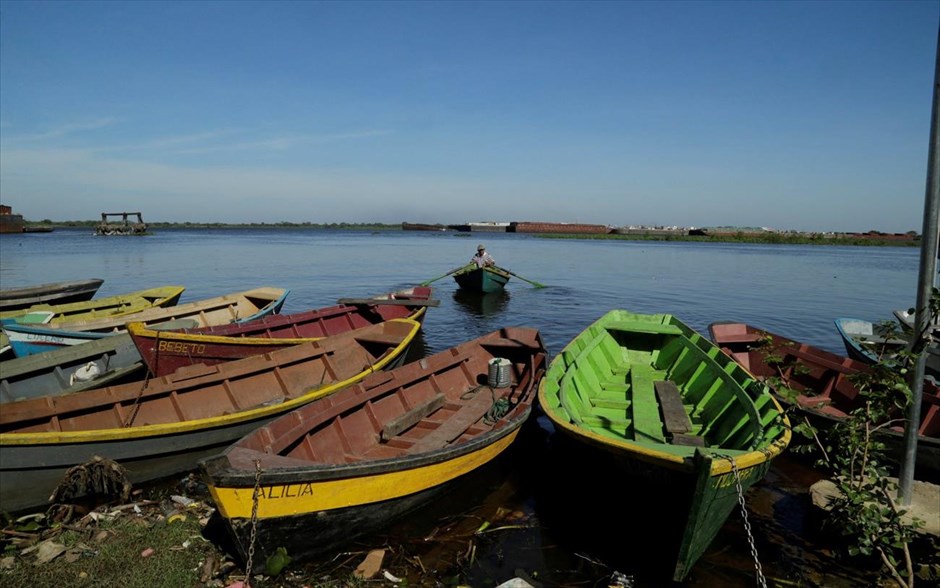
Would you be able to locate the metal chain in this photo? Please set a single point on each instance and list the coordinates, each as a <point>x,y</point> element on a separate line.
<point>747,525</point>
<point>254,523</point>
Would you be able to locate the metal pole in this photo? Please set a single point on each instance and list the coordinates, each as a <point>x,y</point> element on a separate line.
<point>927,278</point>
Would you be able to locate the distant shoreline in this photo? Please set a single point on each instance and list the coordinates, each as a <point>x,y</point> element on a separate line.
<point>869,239</point>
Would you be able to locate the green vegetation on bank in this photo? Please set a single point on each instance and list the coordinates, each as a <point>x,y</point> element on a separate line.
<point>771,238</point>
<point>782,238</point>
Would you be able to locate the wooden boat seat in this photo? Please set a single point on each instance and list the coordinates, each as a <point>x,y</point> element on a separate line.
<point>814,359</point>
<point>466,416</point>
<point>410,418</point>
<point>740,338</point>
<point>643,327</point>
<point>646,421</point>
<point>676,419</point>
<point>382,339</point>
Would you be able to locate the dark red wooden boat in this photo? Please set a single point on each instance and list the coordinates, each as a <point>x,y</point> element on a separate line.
<point>166,351</point>
<point>335,469</point>
<point>827,393</point>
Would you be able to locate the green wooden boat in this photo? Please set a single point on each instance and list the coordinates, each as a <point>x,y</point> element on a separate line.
<point>109,306</point>
<point>481,279</point>
<point>666,407</point>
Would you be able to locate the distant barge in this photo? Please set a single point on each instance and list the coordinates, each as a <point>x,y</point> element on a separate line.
<point>422,227</point>
<point>9,222</point>
<point>530,227</point>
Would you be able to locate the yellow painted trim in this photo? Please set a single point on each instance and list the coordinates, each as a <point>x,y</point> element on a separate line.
<point>293,499</point>
<point>196,425</point>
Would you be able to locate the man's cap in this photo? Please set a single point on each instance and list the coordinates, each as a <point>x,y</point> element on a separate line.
<point>480,247</point>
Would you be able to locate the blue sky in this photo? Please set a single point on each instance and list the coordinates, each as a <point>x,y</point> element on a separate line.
<point>793,115</point>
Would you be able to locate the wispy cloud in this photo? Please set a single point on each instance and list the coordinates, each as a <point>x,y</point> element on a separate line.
<point>284,142</point>
<point>65,130</point>
<point>211,141</point>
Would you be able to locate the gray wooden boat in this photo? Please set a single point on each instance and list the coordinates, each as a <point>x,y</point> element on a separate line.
<point>53,293</point>
<point>72,368</point>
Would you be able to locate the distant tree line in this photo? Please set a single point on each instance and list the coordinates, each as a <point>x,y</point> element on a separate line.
<point>728,235</point>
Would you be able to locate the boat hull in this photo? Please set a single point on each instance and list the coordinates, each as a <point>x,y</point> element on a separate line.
<point>356,461</point>
<point>53,293</point>
<point>240,307</point>
<point>827,392</point>
<point>485,280</point>
<point>109,306</point>
<point>107,361</point>
<point>166,425</point>
<point>165,352</point>
<point>609,391</point>
<point>320,515</point>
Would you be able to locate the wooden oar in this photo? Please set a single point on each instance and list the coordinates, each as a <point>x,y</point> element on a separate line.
<point>455,270</point>
<point>536,284</point>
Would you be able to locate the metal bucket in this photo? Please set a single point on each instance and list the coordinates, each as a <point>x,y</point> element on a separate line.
<point>499,373</point>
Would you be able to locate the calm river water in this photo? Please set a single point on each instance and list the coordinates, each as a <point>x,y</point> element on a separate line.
<point>796,291</point>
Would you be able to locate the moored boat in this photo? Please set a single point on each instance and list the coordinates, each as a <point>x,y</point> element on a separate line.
<point>32,318</point>
<point>237,307</point>
<point>350,463</point>
<point>481,279</point>
<point>51,293</point>
<point>825,388</point>
<point>166,351</point>
<point>109,306</point>
<point>70,369</point>
<point>665,407</point>
<point>875,342</point>
<point>867,341</point>
<point>165,425</point>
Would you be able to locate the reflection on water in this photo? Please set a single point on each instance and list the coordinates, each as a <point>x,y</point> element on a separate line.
<point>481,304</point>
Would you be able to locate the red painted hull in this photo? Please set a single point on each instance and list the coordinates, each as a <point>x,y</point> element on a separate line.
<point>167,351</point>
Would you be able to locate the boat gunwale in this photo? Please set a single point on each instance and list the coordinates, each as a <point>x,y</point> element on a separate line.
<point>744,458</point>
<point>195,425</point>
<point>109,324</point>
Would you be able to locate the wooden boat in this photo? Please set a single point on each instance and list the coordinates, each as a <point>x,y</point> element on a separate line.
<point>32,318</point>
<point>667,408</point>
<point>165,352</point>
<point>353,462</point>
<point>164,426</point>
<point>70,369</point>
<point>827,392</point>
<point>871,343</point>
<point>481,279</point>
<point>868,342</point>
<point>52,293</point>
<point>109,306</point>
<point>238,307</point>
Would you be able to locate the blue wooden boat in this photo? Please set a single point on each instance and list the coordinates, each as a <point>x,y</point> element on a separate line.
<point>481,279</point>
<point>868,342</point>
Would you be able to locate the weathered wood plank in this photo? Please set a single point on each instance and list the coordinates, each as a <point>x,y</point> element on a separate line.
<point>674,416</point>
<point>410,418</point>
